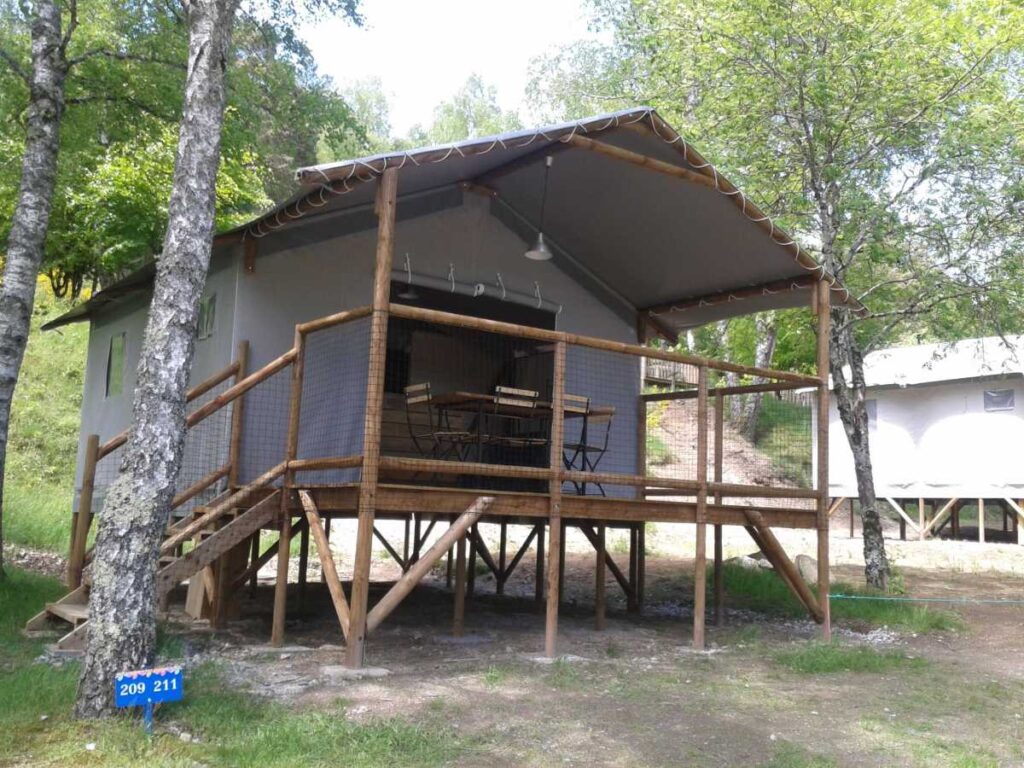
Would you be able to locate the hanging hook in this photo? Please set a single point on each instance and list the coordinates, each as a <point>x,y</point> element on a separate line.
<point>408,268</point>
<point>501,284</point>
<point>451,276</point>
<point>536,292</point>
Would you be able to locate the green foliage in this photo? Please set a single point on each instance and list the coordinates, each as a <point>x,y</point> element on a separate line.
<point>884,133</point>
<point>472,111</point>
<point>119,131</point>
<point>43,438</point>
<point>830,658</point>
<point>760,589</point>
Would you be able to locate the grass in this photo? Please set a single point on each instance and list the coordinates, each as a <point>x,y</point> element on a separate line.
<point>831,658</point>
<point>792,756</point>
<point>43,443</point>
<point>233,727</point>
<point>762,590</point>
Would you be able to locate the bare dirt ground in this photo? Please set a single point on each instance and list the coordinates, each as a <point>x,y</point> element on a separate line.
<point>636,694</point>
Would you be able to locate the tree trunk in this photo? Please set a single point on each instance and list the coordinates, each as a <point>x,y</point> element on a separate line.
<point>122,605</point>
<point>32,213</point>
<point>764,351</point>
<point>849,398</point>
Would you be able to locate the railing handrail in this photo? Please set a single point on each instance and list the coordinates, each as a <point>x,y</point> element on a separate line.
<point>541,334</point>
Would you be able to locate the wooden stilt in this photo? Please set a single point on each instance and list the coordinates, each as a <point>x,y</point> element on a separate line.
<point>699,557</point>
<point>448,570</point>
<point>641,564</point>
<point>538,579</point>
<point>303,566</point>
<point>471,575</point>
<point>459,619</point>
<point>386,204</point>
<point>499,584</point>
<point>254,579</point>
<point>329,569</point>
<point>556,550</point>
<point>719,584</point>
<point>83,520</point>
<point>823,309</point>
<point>561,564</point>
<point>599,580</point>
<point>632,604</point>
<point>920,519</point>
<point>281,584</point>
<point>405,585</point>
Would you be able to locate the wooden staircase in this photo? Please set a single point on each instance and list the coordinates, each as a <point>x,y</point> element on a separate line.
<point>217,528</point>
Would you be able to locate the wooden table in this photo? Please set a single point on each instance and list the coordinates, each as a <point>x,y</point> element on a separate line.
<point>482,405</point>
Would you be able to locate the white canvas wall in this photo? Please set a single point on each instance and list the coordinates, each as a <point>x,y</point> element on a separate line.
<point>107,416</point>
<point>308,282</point>
<point>937,441</point>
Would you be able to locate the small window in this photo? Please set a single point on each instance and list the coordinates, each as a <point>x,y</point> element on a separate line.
<point>207,317</point>
<point>999,400</point>
<point>115,365</point>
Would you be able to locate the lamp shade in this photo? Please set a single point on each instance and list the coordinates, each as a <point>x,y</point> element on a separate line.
<point>540,250</point>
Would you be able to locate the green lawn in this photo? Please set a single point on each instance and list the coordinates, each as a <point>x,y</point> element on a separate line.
<point>760,589</point>
<point>44,431</point>
<point>232,727</point>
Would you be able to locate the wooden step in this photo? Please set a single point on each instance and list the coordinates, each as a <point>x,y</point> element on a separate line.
<point>72,613</point>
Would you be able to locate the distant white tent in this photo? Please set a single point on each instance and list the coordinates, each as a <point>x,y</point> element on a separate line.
<point>946,421</point>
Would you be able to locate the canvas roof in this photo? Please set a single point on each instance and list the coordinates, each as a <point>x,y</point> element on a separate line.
<point>969,359</point>
<point>674,237</point>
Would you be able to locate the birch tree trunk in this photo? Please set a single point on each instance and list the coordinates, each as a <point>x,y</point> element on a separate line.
<point>32,214</point>
<point>764,351</point>
<point>849,399</point>
<point>122,603</point>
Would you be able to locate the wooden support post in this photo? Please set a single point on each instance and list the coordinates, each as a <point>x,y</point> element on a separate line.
<point>556,549</point>
<point>254,579</point>
<point>719,584</point>
<point>416,572</point>
<point>448,570</point>
<point>303,566</point>
<point>405,546</point>
<point>981,521</point>
<point>459,619</point>
<point>291,451</point>
<point>538,579</point>
<point>699,557</point>
<point>641,563</point>
<point>471,574</point>
<point>920,519</point>
<point>386,203</point>
<point>499,583</point>
<point>561,563</point>
<point>237,414</point>
<point>330,570</point>
<point>80,534</point>
<point>631,569</point>
<point>599,577</point>
<point>823,308</point>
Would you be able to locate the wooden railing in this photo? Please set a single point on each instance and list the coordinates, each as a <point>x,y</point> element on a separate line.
<point>554,473</point>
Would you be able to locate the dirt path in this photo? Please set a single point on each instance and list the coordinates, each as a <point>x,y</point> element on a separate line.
<point>636,694</point>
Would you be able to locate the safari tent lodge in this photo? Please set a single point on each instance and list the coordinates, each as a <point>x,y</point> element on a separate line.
<point>453,337</point>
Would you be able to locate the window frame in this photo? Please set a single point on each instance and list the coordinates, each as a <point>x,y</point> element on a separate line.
<point>994,393</point>
<point>110,391</point>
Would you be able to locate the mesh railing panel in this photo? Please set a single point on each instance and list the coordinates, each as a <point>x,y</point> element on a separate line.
<point>332,416</point>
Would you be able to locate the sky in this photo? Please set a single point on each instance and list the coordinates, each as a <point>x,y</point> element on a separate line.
<point>424,50</point>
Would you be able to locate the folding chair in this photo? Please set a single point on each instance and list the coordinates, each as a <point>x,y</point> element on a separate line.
<point>585,452</point>
<point>430,427</point>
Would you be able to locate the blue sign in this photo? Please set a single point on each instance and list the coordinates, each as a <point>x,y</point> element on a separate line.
<point>147,687</point>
